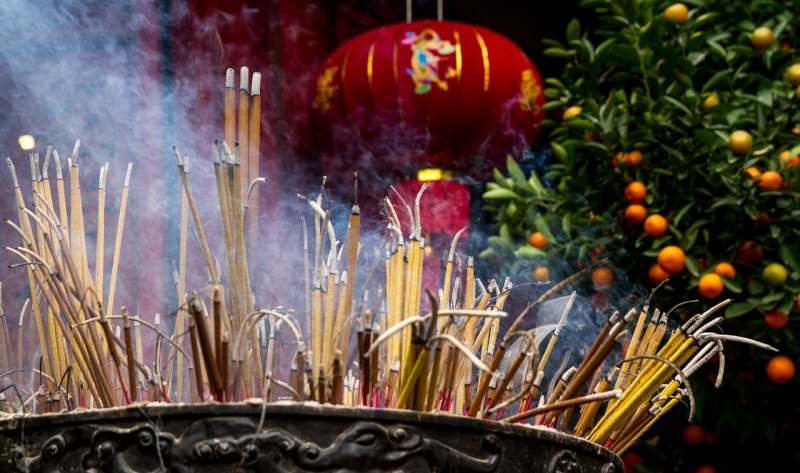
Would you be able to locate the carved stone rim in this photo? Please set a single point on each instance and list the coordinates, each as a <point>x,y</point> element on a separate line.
<point>310,409</point>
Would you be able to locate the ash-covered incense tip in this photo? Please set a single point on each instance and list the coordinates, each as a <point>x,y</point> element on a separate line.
<point>57,159</point>
<point>255,89</point>
<point>128,175</point>
<point>13,172</point>
<point>244,76</point>
<point>230,77</point>
<point>103,175</point>
<point>46,162</point>
<point>177,155</point>
<point>75,150</point>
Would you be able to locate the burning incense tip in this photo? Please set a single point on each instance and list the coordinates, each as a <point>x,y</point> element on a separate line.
<point>230,78</point>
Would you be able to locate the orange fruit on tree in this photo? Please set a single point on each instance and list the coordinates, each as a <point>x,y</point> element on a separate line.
<point>775,274</point>
<point>541,274</point>
<point>635,192</point>
<point>635,214</point>
<point>657,274</point>
<point>750,253</point>
<point>634,158</point>
<point>770,181</point>
<point>672,259</point>
<point>725,269</point>
<point>602,278</point>
<point>780,369</point>
<point>572,112</point>
<point>537,240</point>
<point>788,159</point>
<point>711,101</point>
<point>792,74</point>
<point>754,173</point>
<point>694,435</point>
<point>776,318</point>
<point>762,37</point>
<point>655,226</point>
<point>710,286</point>
<point>677,12</point>
<point>740,142</point>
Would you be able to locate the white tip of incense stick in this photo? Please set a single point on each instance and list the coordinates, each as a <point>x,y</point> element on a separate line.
<point>46,161</point>
<point>157,320</point>
<point>567,375</point>
<point>226,150</point>
<point>564,314</point>
<point>454,244</point>
<point>57,160</point>
<point>75,150</point>
<point>255,89</point>
<point>185,163</point>
<point>128,175</point>
<point>13,171</point>
<point>629,315</point>
<point>215,153</point>
<point>103,176</point>
<point>230,77</point>
<point>244,76</point>
<point>481,287</point>
<point>34,157</point>
<point>177,155</point>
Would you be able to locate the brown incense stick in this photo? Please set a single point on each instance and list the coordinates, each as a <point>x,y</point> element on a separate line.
<point>556,406</point>
<point>126,324</point>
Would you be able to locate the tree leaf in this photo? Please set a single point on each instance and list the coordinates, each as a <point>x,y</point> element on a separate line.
<point>516,174</point>
<point>789,257</point>
<point>739,309</point>
<point>732,285</point>
<point>573,30</point>
<point>557,53</point>
<point>559,151</point>
<point>500,194</point>
<point>542,226</point>
<point>566,224</point>
<point>693,266</point>
<point>528,251</point>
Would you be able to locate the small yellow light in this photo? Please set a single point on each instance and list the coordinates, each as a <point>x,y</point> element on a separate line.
<point>27,142</point>
<point>433,174</point>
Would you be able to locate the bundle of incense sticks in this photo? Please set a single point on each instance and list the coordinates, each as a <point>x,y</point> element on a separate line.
<point>366,340</point>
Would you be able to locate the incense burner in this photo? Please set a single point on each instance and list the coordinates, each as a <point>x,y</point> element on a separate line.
<point>286,438</point>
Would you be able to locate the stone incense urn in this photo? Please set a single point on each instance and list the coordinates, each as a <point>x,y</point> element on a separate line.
<point>278,437</point>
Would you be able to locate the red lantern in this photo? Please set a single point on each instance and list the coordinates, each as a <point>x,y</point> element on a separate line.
<point>426,93</point>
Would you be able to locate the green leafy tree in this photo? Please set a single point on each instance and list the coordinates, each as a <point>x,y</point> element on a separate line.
<point>703,110</point>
